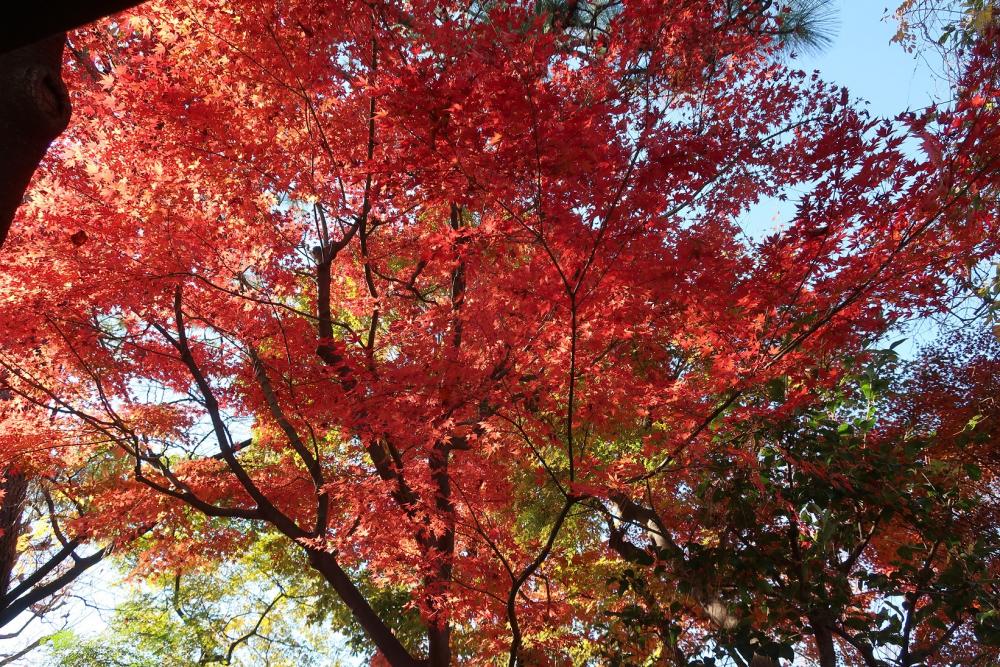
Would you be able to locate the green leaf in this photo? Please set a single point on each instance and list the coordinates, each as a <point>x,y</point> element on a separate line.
<point>776,389</point>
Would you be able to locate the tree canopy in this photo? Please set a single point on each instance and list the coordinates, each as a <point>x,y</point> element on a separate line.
<point>442,319</point>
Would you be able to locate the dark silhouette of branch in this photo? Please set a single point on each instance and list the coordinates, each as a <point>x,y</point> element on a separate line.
<point>11,659</point>
<point>35,21</point>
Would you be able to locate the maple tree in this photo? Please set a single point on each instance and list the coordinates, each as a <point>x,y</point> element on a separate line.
<point>453,301</point>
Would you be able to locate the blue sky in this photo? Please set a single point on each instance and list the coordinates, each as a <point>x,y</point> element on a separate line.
<point>863,59</point>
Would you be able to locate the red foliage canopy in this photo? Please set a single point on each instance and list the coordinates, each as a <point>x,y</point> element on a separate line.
<point>423,285</point>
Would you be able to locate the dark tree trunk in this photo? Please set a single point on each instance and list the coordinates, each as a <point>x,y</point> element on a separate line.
<point>15,488</point>
<point>441,551</point>
<point>34,109</point>
<point>824,642</point>
<point>393,651</point>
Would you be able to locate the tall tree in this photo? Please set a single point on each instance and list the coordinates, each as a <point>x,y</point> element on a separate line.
<point>426,288</point>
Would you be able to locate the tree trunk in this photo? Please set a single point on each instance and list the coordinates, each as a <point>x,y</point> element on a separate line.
<point>34,109</point>
<point>15,488</point>
<point>393,651</point>
<point>440,550</point>
<point>824,642</point>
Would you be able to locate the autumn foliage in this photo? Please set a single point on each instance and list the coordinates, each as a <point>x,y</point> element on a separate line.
<point>472,304</point>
